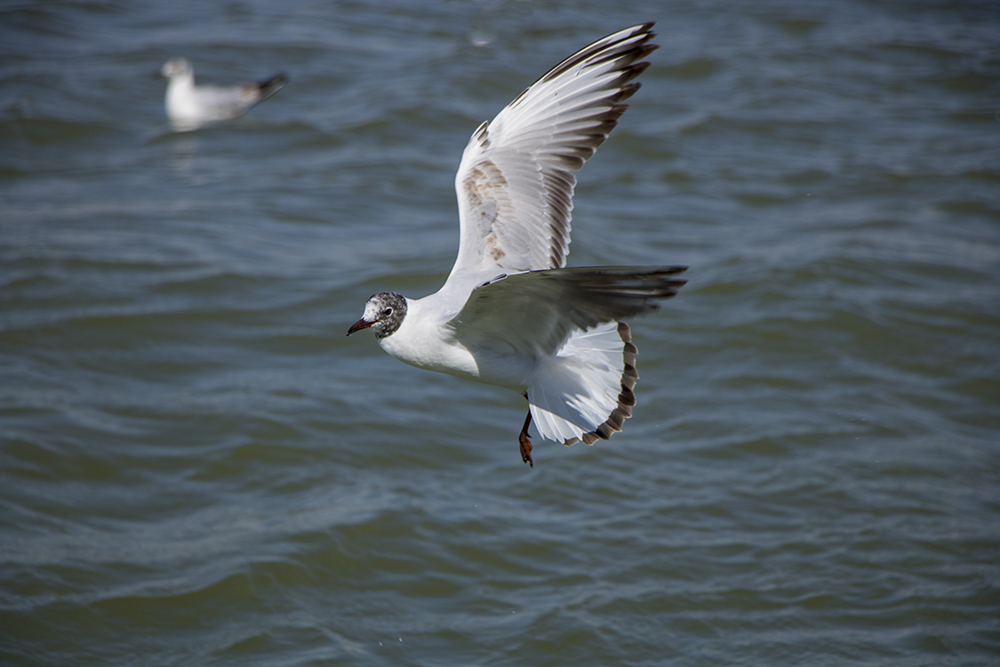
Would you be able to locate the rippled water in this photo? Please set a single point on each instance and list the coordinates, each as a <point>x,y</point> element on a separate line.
<point>197,467</point>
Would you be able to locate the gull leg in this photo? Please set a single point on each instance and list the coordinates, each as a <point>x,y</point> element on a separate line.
<point>525,443</point>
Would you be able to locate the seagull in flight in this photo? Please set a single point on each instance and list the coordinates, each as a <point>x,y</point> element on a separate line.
<point>190,107</point>
<point>509,313</point>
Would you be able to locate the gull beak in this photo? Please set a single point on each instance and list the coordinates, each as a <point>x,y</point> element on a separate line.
<point>359,325</point>
<point>157,74</point>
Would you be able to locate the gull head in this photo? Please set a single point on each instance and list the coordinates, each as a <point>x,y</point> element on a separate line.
<point>384,312</point>
<point>175,68</point>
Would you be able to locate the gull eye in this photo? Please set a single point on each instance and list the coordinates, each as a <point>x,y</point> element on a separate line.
<point>387,312</point>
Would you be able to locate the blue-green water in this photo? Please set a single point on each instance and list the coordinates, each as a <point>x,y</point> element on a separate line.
<point>197,467</point>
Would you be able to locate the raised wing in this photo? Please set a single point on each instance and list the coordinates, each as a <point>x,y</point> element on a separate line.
<point>533,313</point>
<point>515,182</point>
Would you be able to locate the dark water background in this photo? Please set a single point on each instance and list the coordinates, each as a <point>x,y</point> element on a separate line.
<point>198,468</point>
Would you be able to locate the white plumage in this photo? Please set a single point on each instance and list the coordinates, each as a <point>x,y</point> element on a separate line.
<point>509,314</point>
<point>189,106</point>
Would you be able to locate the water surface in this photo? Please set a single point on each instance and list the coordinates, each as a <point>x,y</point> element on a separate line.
<point>198,467</point>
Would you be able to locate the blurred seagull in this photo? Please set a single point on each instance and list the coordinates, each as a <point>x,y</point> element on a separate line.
<point>509,314</point>
<point>189,106</point>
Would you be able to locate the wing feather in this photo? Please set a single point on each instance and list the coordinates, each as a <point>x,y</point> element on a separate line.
<point>534,313</point>
<point>516,179</point>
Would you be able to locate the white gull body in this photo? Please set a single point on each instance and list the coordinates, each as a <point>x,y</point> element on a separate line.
<point>509,314</point>
<point>189,106</point>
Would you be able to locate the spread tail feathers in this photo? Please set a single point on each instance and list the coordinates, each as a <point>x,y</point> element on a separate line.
<point>585,391</point>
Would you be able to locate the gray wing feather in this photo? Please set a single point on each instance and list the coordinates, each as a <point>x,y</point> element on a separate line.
<point>534,312</point>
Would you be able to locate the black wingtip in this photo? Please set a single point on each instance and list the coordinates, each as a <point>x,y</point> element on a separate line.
<point>272,85</point>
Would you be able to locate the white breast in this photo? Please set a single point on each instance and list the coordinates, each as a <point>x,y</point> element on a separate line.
<point>424,340</point>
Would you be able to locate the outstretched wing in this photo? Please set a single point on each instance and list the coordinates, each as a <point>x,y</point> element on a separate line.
<point>533,313</point>
<point>515,182</point>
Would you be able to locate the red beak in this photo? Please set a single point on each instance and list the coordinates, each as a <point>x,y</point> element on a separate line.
<point>358,326</point>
